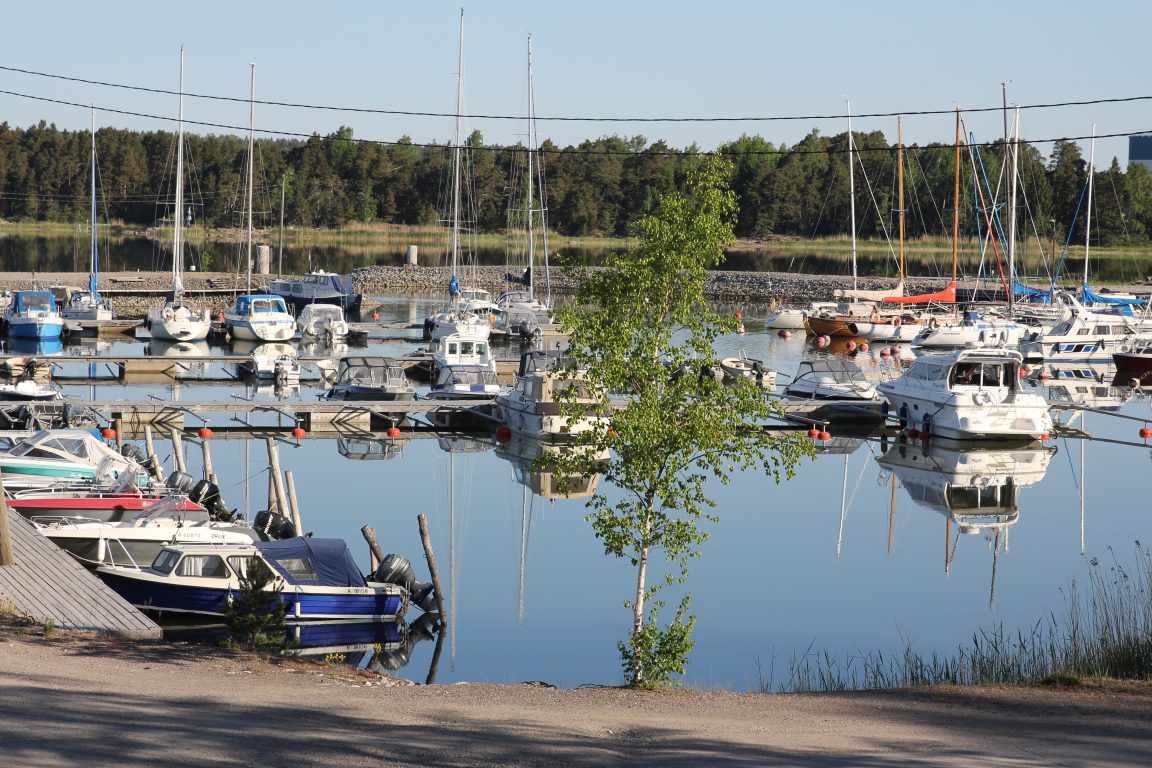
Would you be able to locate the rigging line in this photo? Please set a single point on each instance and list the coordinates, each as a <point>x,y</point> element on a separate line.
<point>413,113</point>
<point>560,151</point>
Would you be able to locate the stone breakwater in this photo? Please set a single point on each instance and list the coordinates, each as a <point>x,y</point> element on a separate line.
<point>133,293</point>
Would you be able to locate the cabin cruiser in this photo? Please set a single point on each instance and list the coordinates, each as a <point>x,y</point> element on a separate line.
<point>318,288</point>
<point>830,378</point>
<point>973,330</point>
<point>260,317</point>
<point>1081,335</point>
<point>534,406</point>
<point>371,377</point>
<point>968,394</point>
<point>33,315</point>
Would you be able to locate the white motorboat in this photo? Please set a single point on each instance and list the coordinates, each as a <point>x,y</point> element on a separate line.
<point>973,330</point>
<point>1081,335</point>
<point>534,406</point>
<point>372,377</point>
<point>830,378</point>
<point>969,394</point>
<point>29,390</point>
<point>260,317</point>
<point>322,321</point>
<point>136,542</point>
<point>274,361</point>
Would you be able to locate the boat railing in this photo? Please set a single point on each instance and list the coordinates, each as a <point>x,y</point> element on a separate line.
<point>110,544</point>
<point>65,521</point>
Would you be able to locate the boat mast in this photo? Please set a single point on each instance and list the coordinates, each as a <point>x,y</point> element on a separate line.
<point>1088,216</point>
<point>531,152</point>
<point>456,149</point>
<point>956,200</point>
<point>851,191</point>
<point>178,218</point>
<point>251,131</point>
<point>900,185</point>
<point>1012,224</point>
<point>94,260</point>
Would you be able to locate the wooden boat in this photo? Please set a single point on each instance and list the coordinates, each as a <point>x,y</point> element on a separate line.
<point>969,394</point>
<point>316,579</point>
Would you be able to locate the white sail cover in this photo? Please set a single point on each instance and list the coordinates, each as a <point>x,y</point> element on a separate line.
<point>862,295</point>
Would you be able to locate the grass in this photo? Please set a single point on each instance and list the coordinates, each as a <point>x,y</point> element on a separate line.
<point>1105,632</point>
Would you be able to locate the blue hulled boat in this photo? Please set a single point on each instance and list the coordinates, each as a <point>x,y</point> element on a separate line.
<point>317,577</point>
<point>33,315</point>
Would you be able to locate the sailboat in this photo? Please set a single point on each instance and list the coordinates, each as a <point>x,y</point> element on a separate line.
<point>518,311</point>
<point>179,319</point>
<point>90,305</point>
<point>467,316</point>
<point>257,316</point>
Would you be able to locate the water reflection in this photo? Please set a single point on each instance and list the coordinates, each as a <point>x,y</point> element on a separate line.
<point>522,452</point>
<point>1084,385</point>
<point>34,346</point>
<point>975,488</point>
<point>368,448</point>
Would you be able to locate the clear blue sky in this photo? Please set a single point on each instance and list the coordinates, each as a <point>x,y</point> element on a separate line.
<point>592,59</point>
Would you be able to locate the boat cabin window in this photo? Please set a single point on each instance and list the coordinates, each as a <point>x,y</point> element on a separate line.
<point>207,566</point>
<point>300,568</point>
<point>981,375</point>
<point>926,370</point>
<point>453,348</point>
<point>297,288</point>
<point>267,305</point>
<point>165,561</point>
<point>1062,329</point>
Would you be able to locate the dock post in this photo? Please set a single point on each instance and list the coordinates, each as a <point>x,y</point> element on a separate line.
<point>377,554</point>
<point>277,478</point>
<point>293,504</point>
<point>426,540</point>
<point>6,556</point>
<point>178,450</point>
<point>153,462</point>
<point>118,425</point>
<point>209,473</point>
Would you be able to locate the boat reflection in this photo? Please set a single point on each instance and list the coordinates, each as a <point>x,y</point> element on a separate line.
<point>370,448</point>
<point>541,479</point>
<point>1085,385</point>
<point>161,348</point>
<point>976,488</point>
<point>27,346</point>
<point>378,646</point>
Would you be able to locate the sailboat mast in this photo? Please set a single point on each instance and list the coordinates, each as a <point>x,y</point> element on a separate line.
<point>456,148</point>
<point>1088,216</point>
<point>178,217</point>
<point>1012,224</point>
<point>531,152</point>
<point>94,258</point>
<point>851,190</point>
<point>956,201</point>
<point>251,132</point>
<point>900,185</point>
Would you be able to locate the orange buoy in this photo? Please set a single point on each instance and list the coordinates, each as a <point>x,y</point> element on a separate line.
<point>299,432</point>
<point>108,433</point>
<point>375,315</point>
<point>825,436</point>
<point>885,353</point>
<point>1145,432</point>
<point>1045,436</point>
<point>503,433</point>
<point>1023,370</point>
<point>863,346</point>
<point>393,432</point>
<point>850,346</point>
<point>814,433</point>
<point>205,433</point>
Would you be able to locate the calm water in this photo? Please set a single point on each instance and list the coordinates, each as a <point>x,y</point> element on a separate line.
<point>853,554</point>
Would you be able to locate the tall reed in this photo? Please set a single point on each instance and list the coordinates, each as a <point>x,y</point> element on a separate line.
<point>1105,631</point>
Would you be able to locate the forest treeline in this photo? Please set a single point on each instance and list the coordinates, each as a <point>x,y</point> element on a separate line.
<point>599,187</point>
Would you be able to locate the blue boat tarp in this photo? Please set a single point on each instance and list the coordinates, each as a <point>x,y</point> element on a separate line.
<point>1027,290</point>
<point>309,561</point>
<point>28,301</point>
<point>1090,296</point>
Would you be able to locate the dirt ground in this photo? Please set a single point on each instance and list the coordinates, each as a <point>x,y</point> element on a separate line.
<point>79,699</point>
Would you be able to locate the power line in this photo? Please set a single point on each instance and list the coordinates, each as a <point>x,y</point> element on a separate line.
<point>744,119</point>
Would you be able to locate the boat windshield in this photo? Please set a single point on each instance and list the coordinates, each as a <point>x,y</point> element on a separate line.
<point>982,374</point>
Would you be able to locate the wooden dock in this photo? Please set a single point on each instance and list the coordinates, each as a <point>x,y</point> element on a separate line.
<point>47,585</point>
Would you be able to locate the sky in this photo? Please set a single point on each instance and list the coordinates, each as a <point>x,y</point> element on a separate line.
<point>691,70</point>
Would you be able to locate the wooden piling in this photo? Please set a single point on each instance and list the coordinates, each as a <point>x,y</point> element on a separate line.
<point>430,556</point>
<point>178,450</point>
<point>153,462</point>
<point>6,556</point>
<point>209,473</point>
<point>277,478</point>
<point>293,503</point>
<point>118,425</point>
<point>369,534</point>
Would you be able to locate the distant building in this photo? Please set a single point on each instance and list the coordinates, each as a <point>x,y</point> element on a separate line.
<point>1140,150</point>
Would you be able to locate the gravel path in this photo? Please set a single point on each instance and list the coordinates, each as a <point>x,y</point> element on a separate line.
<point>71,699</point>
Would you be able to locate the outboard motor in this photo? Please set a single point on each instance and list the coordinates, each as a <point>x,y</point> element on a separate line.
<point>395,569</point>
<point>181,482</point>
<point>429,326</point>
<point>274,525</point>
<point>133,452</point>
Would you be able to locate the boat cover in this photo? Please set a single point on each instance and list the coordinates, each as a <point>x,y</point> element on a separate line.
<point>946,296</point>
<point>1089,296</point>
<point>309,561</point>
